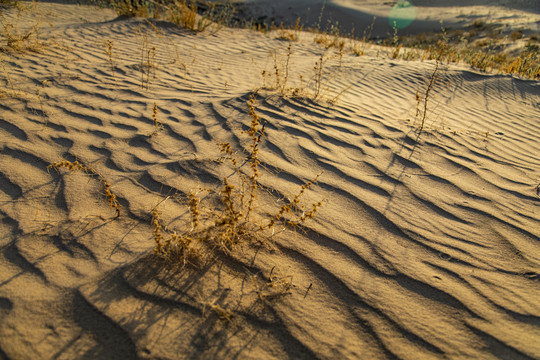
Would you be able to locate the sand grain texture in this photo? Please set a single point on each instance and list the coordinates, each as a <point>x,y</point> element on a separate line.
<point>427,244</point>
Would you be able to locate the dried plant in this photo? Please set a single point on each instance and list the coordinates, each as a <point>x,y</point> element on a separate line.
<point>290,34</point>
<point>273,286</point>
<point>21,35</point>
<point>132,8</point>
<point>109,52</point>
<point>296,210</point>
<point>425,97</point>
<point>158,126</point>
<point>234,219</point>
<point>280,72</point>
<point>332,38</point>
<point>318,74</point>
<point>359,49</point>
<point>278,78</point>
<point>479,46</point>
<point>148,65</point>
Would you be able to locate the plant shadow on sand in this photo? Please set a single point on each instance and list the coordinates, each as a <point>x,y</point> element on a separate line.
<point>217,311</point>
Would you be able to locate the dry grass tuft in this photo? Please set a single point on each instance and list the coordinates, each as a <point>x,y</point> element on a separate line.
<point>77,166</point>
<point>290,34</point>
<point>274,286</point>
<point>20,34</point>
<point>185,13</point>
<point>278,78</point>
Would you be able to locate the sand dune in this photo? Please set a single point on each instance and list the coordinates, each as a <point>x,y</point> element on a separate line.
<point>413,17</point>
<point>427,244</point>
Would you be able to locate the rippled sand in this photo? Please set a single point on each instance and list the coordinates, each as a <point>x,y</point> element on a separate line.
<point>427,244</point>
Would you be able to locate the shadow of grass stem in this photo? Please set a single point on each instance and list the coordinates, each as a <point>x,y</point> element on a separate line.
<point>426,96</point>
<point>77,166</point>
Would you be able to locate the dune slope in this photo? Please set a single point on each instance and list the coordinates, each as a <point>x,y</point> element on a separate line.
<point>427,244</point>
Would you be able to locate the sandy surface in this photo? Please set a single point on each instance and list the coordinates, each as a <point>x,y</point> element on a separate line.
<point>427,244</point>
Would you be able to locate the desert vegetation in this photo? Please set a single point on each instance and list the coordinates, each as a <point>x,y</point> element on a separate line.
<point>481,46</point>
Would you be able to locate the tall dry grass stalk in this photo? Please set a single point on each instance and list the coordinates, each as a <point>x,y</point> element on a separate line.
<point>425,98</point>
<point>148,64</point>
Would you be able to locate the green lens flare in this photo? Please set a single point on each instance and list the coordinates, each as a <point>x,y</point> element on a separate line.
<point>402,14</point>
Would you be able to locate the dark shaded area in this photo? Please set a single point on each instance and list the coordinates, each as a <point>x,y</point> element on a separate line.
<point>503,351</point>
<point>112,341</point>
<point>10,188</point>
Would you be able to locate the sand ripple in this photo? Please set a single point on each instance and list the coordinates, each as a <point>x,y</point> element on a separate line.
<point>427,245</point>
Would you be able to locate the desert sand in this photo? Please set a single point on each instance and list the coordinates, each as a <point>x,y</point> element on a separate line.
<point>418,16</point>
<point>427,243</point>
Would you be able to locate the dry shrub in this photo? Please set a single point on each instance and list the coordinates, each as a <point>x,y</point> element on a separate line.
<point>228,218</point>
<point>278,78</point>
<point>290,34</point>
<point>184,14</point>
<point>21,34</point>
<point>181,12</point>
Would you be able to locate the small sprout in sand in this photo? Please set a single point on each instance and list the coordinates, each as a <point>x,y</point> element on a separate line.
<point>274,286</point>
<point>157,124</point>
<point>290,34</point>
<point>222,313</point>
